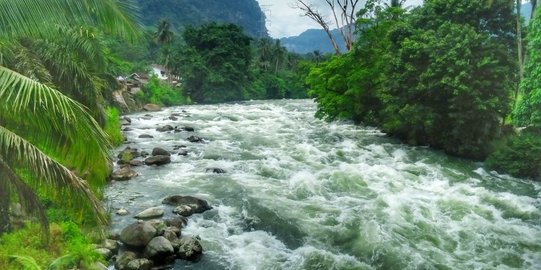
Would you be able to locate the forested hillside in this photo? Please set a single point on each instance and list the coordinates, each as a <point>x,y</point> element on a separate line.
<point>245,13</point>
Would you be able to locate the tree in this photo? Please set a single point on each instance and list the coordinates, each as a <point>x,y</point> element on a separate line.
<point>215,63</point>
<point>528,110</point>
<point>451,75</point>
<point>163,37</point>
<point>40,128</point>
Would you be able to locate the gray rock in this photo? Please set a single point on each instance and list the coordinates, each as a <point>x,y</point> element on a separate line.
<point>127,129</point>
<point>171,233</point>
<point>189,129</point>
<point>176,147</point>
<point>173,118</point>
<point>158,248</point>
<point>124,174</point>
<point>111,245</point>
<point>159,225</point>
<point>187,205</point>
<point>177,222</point>
<point>152,212</point>
<point>123,259</point>
<point>157,151</point>
<point>195,139</point>
<point>158,160</point>
<point>216,170</point>
<point>190,248</point>
<point>183,153</point>
<point>122,212</point>
<point>137,234</point>
<point>144,154</point>
<point>146,136</point>
<point>165,128</point>
<point>104,253</point>
<point>139,264</point>
<point>136,163</point>
<point>152,108</point>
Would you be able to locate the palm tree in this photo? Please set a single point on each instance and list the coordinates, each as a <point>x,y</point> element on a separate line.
<point>39,126</point>
<point>164,36</point>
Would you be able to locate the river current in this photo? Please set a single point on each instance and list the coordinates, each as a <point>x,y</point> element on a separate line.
<point>302,193</point>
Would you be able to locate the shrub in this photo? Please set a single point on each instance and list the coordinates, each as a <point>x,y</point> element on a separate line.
<point>112,126</point>
<point>518,155</point>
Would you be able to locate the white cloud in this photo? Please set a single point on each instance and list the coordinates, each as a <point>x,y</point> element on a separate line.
<point>283,20</point>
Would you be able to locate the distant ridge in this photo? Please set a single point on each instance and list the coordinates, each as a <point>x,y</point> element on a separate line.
<point>313,40</point>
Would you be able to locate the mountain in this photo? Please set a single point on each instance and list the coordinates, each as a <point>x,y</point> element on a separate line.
<point>245,13</point>
<point>313,40</point>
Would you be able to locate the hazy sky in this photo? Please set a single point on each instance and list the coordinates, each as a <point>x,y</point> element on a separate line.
<point>284,21</point>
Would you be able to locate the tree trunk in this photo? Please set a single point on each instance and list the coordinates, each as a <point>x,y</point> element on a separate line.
<point>4,210</point>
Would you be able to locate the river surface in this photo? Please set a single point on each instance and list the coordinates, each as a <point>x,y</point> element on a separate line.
<point>301,193</point>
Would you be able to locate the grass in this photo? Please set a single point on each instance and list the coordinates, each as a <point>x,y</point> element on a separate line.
<point>112,126</point>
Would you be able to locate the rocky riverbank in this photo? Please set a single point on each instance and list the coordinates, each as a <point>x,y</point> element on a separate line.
<point>154,240</point>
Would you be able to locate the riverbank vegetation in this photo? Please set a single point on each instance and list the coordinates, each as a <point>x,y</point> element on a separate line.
<point>446,75</point>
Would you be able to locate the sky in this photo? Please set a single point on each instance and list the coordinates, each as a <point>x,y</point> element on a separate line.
<point>285,21</point>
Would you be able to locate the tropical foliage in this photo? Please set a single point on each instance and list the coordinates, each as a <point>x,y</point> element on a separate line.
<point>48,141</point>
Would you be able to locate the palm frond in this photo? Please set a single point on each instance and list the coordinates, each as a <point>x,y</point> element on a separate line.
<point>26,262</point>
<point>35,17</point>
<point>45,174</point>
<point>62,124</point>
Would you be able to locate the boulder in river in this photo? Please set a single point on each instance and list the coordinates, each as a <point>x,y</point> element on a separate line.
<point>189,129</point>
<point>158,160</point>
<point>152,108</point>
<point>146,136</point>
<point>190,248</point>
<point>137,234</point>
<point>216,170</point>
<point>173,118</point>
<point>195,139</point>
<point>127,154</point>
<point>165,128</point>
<point>152,212</point>
<point>178,222</point>
<point>136,163</point>
<point>157,151</point>
<point>187,205</point>
<point>122,212</point>
<point>158,249</point>
<point>124,174</point>
<point>123,259</point>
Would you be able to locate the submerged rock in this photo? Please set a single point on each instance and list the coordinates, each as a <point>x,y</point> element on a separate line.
<point>152,212</point>
<point>124,174</point>
<point>146,136</point>
<point>216,170</point>
<point>137,234</point>
<point>123,259</point>
<point>165,128</point>
<point>160,152</point>
<point>152,108</point>
<point>126,155</point>
<point>195,139</point>
<point>158,160</point>
<point>187,205</point>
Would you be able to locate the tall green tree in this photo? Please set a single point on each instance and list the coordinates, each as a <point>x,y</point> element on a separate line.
<point>452,72</point>
<point>215,63</point>
<point>42,131</point>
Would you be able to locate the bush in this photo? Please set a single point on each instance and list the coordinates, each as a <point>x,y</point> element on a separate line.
<point>112,126</point>
<point>161,93</point>
<point>518,155</point>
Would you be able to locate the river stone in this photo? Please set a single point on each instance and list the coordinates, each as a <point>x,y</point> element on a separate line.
<point>158,248</point>
<point>152,212</point>
<point>136,163</point>
<point>124,174</point>
<point>159,225</point>
<point>123,259</point>
<point>122,212</point>
<point>98,266</point>
<point>216,170</point>
<point>171,233</point>
<point>187,205</point>
<point>146,136</point>
<point>111,245</point>
<point>189,129</point>
<point>173,118</point>
<point>183,153</point>
<point>195,139</point>
<point>157,151</point>
<point>152,108</point>
<point>177,222</point>
<point>137,234</point>
<point>126,155</point>
<point>158,160</point>
<point>140,264</point>
<point>165,128</point>
<point>190,248</point>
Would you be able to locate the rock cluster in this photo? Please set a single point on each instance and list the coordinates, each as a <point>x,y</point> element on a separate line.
<point>148,244</point>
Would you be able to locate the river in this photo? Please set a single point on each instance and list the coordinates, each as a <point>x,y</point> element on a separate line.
<point>302,193</point>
